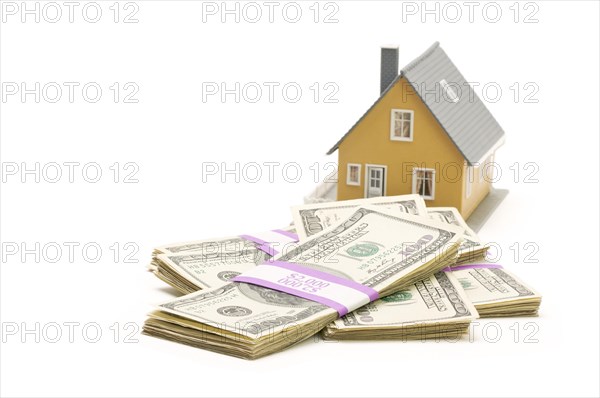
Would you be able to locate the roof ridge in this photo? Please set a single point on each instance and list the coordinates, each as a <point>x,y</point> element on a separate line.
<point>420,58</point>
<point>469,124</point>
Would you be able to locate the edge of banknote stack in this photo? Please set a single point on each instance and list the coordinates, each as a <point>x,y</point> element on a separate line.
<point>437,298</point>
<point>184,319</point>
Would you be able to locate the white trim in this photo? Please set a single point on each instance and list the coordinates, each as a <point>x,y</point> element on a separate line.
<point>367,165</point>
<point>348,181</point>
<point>479,171</point>
<point>469,181</point>
<point>414,182</point>
<point>493,149</point>
<point>412,125</point>
<point>481,168</point>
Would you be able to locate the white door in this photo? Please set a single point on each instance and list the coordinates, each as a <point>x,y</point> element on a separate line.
<point>375,181</point>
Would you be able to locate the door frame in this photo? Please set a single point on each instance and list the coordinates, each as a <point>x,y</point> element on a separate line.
<point>367,178</point>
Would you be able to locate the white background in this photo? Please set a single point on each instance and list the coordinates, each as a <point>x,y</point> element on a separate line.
<point>170,133</point>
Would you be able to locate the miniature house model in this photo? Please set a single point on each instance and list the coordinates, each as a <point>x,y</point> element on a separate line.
<point>427,133</point>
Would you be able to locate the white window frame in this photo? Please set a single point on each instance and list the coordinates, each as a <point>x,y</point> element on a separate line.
<point>450,93</point>
<point>392,125</point>
<point>385,175</point>
<point>348,174</point>
<point>469,181</point>
<point>414,182</point>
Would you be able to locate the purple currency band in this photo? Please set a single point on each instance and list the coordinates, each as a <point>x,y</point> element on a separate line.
<point>372,293</point>
<point>262,245</point>
<point>471,266</point>
<point>341,308</point>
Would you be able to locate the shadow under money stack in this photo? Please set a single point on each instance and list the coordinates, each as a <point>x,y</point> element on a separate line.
<point>372,251</point>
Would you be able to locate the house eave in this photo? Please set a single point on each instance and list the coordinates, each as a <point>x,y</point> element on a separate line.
<point>490,151</point>
<point>392,84</point>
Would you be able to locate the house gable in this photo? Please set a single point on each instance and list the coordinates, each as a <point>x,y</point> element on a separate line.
<point>454,103</point>
<point>465,119</point>
<point>430,148</point>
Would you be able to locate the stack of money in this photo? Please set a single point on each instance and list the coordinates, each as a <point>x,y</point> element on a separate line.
<point>190,272</point>
<point>311,219</point>
<point>435,307</point>
<point>432,308</point>
<point>472,249</point>
<point>496,292</point>
<point>187,266</point>
<point>383,252</point>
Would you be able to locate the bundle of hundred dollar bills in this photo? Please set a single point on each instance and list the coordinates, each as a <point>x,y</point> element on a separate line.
<point>496,292</point>
<point>392,261</point>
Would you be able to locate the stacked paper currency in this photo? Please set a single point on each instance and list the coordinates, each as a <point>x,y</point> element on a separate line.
<point>472,248</point>
<point>422,292</point>
<point>496,292</point>
<point>369,247</point>
<point>312,219</point>
<point>435,307</point>
<point>189,266</point>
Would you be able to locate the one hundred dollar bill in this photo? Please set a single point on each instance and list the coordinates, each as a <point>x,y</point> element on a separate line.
<point>190,266</point>
<point>204,271</point>
<point>376,249</point>
<point>498,292</point>
<point>314,218</point>
<point>472,248</point>
<point>230,244</point>
<point>433,307</point>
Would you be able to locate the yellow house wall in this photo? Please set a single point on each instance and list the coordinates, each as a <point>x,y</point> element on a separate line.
<point>370,143</point>
<point>480,188</point>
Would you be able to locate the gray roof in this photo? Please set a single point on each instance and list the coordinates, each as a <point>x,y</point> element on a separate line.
<point>468,122</point>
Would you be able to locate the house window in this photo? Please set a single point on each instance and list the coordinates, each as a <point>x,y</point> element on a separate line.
<point>402,125</point>
<point>469,182</point>
<point>450,93</point>
<point>424,183</point>
<point>353,174</point>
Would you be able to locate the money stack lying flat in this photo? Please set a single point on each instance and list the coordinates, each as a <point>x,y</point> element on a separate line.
<point>435,307</point>
<point>314,218</point>
<point>495,292</point>
<point>187,266</point>
<point>189,272</point>
<point>383,252</point>
<point>408,254</point>
<point>472,249</point>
